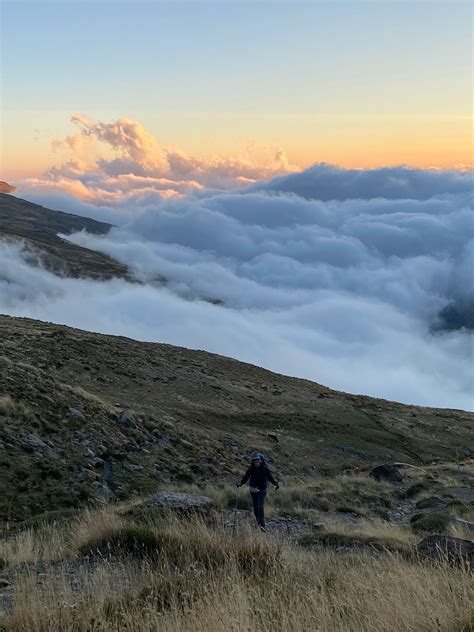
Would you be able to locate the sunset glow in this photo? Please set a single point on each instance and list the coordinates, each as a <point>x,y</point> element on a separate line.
<point>215,79</point>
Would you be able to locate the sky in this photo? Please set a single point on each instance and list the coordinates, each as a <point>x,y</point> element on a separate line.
<point>359,84</point>
<point>291,183</point>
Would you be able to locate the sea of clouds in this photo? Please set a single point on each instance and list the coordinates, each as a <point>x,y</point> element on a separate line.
<point>341,276</point>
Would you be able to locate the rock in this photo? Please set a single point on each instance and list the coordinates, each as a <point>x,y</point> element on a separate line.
<point>387,472</point>
<point>285,526</point>
<point>4,583</point>
<point>433,502</point>
<point>179,501</point>
<point>102,493</point>
<point>76,413</point>
<point>272,436</point>
<point>438,547</point>
<point>161,440</point>
<point>134,468</point>
<point>35,442</point>
<point>318,526</point>
<point>90,475</point>
<point>125,418</point>
<point>96,462</point>
<point>466,494</point>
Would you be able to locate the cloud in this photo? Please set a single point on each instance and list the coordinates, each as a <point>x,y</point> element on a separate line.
<point>122,164</point>
<point>359,279</point>
<point>329,182</point>
<point>353,343</point>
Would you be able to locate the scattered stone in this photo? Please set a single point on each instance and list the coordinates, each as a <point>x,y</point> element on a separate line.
<point>102,493</point>
<point>161,440</point>
<point>35,442</point>
<point>76,413</point>
<point>89,475</point>
<point>318,526</point>
<point>125,418</point>
<point>387,472</point>
<point>97,462</point>
<point>133,467</point>
<point>438,547</point>
<point>179,501</point>
<point>285,526</point>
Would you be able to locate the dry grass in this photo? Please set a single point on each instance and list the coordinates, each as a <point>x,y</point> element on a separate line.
<point>200,579</point>
<point>9,408</point>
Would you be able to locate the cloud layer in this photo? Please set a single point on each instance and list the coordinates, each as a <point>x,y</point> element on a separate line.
<point>341,276</point>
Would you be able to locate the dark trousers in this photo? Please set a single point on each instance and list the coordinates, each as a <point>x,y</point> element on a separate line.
<point>258,499</point>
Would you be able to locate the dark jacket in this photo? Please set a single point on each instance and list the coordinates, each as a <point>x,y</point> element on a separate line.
<point>258,477</point>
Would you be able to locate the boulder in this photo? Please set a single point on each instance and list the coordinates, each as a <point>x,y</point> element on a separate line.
<point>126,419</point>
<point>179,501</point>
<point>440,547</point>
<point>102,493</point>
<point>387,472</point>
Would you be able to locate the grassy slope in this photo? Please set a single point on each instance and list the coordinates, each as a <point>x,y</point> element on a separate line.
<point>197,416</point>
<point>37,228</point>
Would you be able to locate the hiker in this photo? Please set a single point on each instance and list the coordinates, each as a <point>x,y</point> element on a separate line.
<point>258,476</point>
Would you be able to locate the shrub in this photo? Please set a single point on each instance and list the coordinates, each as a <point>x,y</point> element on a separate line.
<point>414,490</point>
<point>357,541</point>
<point>255,558</point>
<point>129,541</point>
<point>429,522</point>
<point>51,517</point>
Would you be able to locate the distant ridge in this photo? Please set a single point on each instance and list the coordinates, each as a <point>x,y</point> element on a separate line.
<point>37,228</point>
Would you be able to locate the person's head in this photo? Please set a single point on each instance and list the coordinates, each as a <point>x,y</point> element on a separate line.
<point>257,460</point>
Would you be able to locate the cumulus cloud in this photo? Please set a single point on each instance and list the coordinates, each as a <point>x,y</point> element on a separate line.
<point>359,279</point>
<point>122,164</point>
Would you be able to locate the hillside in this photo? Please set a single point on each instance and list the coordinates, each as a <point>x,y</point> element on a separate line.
<point>37,228</point>
<point>84,416</point>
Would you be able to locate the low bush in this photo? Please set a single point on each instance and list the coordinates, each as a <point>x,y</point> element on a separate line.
<point>128,541</point>
<point>433,522</point>
<point>355,541</point>
<point>257,558</point>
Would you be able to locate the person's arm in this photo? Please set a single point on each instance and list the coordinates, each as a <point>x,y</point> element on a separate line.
<point>245,478</point>
<point>271,479</point>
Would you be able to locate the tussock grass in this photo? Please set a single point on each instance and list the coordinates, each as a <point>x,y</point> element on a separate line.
<point>183,575</point>
<point>11,408</point>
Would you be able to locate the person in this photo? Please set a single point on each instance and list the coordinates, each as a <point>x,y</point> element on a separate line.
<point>258,475</point>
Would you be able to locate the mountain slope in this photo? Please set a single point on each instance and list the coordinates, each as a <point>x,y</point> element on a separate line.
<point>86,415</point>
<point>37,227</point>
